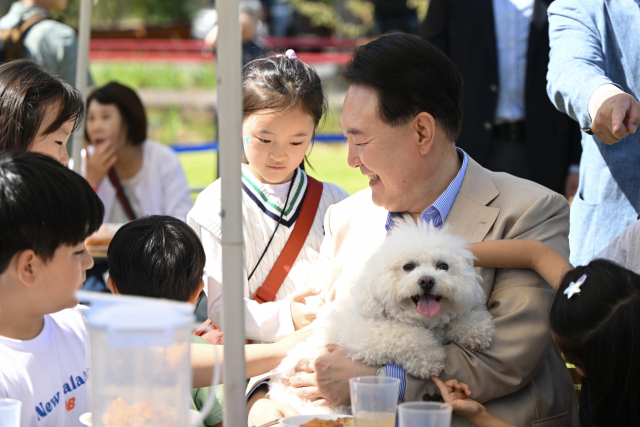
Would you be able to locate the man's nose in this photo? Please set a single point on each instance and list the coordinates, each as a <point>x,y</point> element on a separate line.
<point>353,158</point>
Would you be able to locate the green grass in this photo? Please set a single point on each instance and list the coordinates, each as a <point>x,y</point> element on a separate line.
<point>155,75</point>
<point>329,163</point>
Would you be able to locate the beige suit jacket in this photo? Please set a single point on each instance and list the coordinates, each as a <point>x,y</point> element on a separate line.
<point>521,378</point>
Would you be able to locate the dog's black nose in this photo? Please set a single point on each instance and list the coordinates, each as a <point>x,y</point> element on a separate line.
<point>426,282</point>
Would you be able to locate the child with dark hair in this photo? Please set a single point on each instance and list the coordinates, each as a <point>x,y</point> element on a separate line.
<point>46,212</point>
<point>158,257</point>
<point>282,206</point>
<point>133,175</point>
<point>38,111</point>
<point>162,257</point>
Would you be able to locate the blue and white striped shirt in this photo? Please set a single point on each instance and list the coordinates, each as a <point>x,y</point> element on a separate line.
<point>512,20</point>
<point>436,214</point>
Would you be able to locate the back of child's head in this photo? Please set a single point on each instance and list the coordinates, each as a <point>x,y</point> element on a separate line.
<point>43,205</point>
<point>156,256</point>
<point>279,83</point>
<point>598,330</point>
<point>27,92</point>
<point>130,107</point>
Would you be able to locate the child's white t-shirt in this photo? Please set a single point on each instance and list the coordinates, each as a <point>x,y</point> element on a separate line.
<point>49,373</point>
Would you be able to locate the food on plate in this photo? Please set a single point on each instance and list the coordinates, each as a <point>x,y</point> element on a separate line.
<point>340,422</point>
<point>141,414</point>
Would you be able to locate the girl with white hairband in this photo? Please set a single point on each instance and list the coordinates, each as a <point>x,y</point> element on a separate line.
<point>283,208</point>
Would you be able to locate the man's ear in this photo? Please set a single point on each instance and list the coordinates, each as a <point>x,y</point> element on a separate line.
<point>112,286</point>
<point>28,266</point>
<point>425,126</point>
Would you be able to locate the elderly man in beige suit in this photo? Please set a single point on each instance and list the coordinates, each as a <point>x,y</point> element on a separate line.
<point>401,116</point>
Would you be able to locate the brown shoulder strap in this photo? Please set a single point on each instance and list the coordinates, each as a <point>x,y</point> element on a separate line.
<point>13,36</point>
<point>267,292</point>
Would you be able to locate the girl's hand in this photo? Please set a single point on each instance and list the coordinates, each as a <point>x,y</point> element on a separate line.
<point>301,314</point>
<point>98,164</point>
<point>457,395</point>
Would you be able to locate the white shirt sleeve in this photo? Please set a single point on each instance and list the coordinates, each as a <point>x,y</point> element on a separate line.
<point>597,94</point>
<point>269,322</point>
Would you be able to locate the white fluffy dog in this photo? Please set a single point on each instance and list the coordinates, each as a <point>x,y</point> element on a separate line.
<point>417,291</point>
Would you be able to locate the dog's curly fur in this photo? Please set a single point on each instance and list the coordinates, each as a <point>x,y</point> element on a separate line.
<point>377,322</point>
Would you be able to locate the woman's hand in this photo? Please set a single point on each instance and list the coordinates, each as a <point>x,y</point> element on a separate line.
<point>98,164</point>
<point>301,314</point>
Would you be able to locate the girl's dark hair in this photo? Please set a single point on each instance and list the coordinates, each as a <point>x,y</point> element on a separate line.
<point>598,330</point>
<point>279,83</point>
<point>156,256</point>
<point>129,105</point>
<point>43,205</point>
<point>27,92</point>
<point>409,75</point>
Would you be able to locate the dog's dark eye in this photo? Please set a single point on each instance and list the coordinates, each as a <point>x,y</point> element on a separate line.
<point>409,267</point>
<point>443,266</point>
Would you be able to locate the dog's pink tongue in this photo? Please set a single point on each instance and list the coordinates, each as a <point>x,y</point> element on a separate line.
<point>427,306</point>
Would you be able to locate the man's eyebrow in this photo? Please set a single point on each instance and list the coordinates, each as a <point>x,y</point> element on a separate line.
<point>353,132</point>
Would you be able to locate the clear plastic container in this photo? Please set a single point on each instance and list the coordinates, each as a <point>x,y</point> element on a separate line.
<point>140,363</point>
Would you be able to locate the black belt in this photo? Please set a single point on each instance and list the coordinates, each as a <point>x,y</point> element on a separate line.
<point>514,131</point>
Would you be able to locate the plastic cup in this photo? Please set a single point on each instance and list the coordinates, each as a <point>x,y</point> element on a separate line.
<point>374,401</point>
<point>10,412</point>
<point>424,414</point>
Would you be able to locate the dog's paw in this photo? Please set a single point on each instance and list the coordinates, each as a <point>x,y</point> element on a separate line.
<point>473,331</point>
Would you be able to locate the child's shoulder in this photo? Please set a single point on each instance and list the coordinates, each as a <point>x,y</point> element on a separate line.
<point>205,211</point>
<point>332,193</point>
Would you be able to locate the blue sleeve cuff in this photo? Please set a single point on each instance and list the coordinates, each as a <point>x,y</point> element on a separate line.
<point>395,371</point>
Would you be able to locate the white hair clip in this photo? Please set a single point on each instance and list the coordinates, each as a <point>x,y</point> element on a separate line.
<point>574,287</point>
<point>290,53</point>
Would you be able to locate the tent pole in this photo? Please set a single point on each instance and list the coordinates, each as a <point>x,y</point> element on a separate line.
<point>229,76</point>
<point>82,73</point>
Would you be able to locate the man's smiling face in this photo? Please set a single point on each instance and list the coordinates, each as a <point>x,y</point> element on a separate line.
<point>387,154</point>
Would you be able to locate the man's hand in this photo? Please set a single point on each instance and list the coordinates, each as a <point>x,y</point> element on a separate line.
<point>571,185</point>
<point>327,378</point>
<point>617,115</point>
<point>99,163</point>
<point>265,410</point>
<point>301,314</point>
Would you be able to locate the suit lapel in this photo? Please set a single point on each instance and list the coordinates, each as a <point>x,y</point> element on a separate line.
<point>470,217</point>
<point>626,16</point>
<point>484,13</point>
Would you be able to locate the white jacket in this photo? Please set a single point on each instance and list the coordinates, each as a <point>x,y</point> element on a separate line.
<point>162,188</point>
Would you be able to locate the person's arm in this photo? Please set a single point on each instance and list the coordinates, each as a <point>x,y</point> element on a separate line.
<point>577,80</point>
<point>457,395</point>
<point>260,358</point>
<point>527,253</point>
